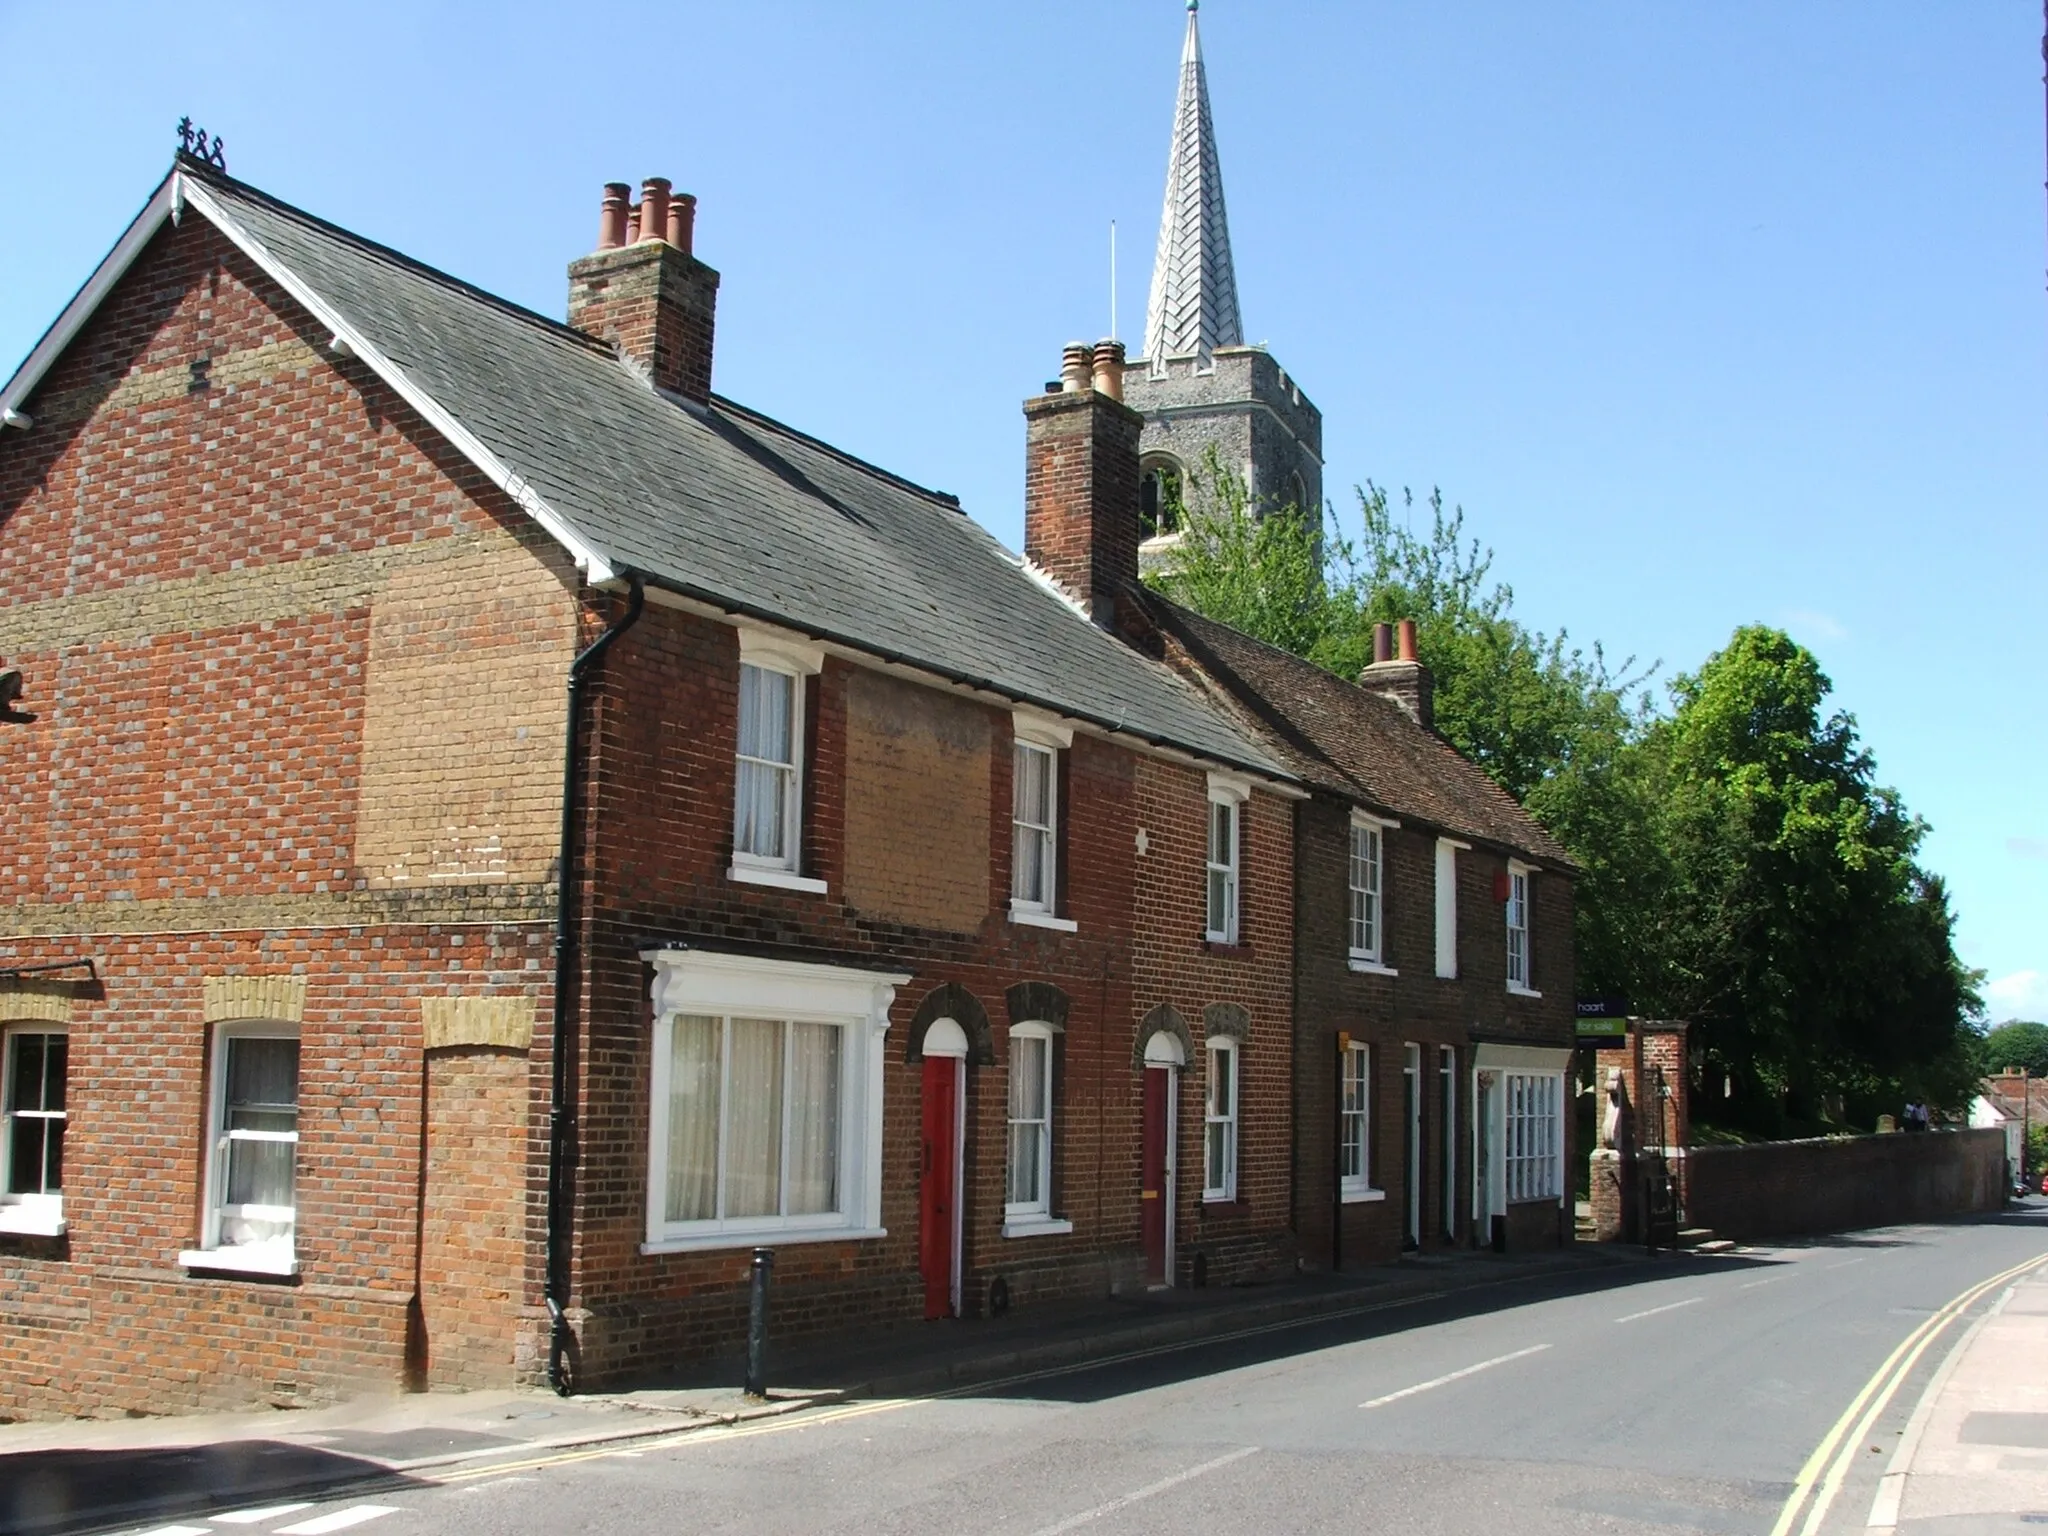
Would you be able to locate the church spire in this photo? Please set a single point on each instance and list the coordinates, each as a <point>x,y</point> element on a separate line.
<point>1194,290</point>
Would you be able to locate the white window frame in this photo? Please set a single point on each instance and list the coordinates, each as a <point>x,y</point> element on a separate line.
<point>1032,1218</point>
<point>1447,851</point>
<point>1036,734</point>
<point>700,982</point>
<point>1233,794</point>
<point>272,1256</point>
<point>1520,878</point>
<point>1366,936</point>
<point>1532,1136</point>
<point>798,661</point>
<point>1354,1069</point>
<point>1220,1184</point>
<point>40,1214</point>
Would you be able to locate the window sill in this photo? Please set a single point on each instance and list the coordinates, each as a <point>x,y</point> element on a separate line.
<point>780,879</point>
<point>1219,1198</point>
<point>1365,967</point>
<point>1363,1196</point>
<point>1236,949</point>
<point>1515,990</point>
<point>1036,1226</point>
<point>1030,919</point>
<point>241,1261</point>
<point>19,1221</point>
<point>774,1237</point>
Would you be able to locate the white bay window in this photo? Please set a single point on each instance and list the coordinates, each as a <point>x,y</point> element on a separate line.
<point>766,1112</point>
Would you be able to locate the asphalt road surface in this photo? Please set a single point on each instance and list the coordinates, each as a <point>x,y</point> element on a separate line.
<point>1675,1395</point>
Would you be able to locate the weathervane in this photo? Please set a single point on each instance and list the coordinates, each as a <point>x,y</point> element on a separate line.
<point>193,141</point>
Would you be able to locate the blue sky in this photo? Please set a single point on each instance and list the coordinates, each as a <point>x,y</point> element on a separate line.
<point>1706,313</point>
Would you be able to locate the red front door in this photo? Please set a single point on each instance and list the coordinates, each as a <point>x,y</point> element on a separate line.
<point>1154,1197</point>
<point>938,1226</point>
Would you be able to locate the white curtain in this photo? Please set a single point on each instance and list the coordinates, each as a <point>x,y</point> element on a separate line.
<point>693,1071</point>
<point>766,762</point>
<point>1027,1119</point>
<point>753,1149</point>
<point>813,1119</point>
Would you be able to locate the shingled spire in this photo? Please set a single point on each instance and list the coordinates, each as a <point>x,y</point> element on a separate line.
<point>1194,290</point>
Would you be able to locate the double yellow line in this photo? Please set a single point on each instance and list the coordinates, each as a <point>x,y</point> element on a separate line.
<point>1821,1479</point>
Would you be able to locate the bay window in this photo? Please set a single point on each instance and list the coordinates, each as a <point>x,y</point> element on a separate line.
<point>766,1101</point>
<point>1533,1135</point>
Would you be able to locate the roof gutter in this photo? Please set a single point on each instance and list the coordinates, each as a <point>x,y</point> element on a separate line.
<point>561,1103</point>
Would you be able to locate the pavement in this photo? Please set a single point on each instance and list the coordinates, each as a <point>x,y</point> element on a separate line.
<point>1974,1457</point>
<point>1804,1390</point>
<point>78,1475</point>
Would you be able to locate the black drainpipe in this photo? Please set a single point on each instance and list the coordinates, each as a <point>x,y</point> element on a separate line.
<point>561,1113</point>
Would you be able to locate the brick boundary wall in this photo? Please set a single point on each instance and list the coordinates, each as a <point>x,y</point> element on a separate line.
<point>1790,1188</point>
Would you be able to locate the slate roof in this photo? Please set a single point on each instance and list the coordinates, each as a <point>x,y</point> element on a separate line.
<point>723,504</point>
<point>1360,746</point>
<point>1193,304</point>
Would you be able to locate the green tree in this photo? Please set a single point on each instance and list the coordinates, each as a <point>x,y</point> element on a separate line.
<point>2017,1043</point>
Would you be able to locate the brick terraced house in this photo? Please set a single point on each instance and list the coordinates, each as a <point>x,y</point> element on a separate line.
<point>1434,1021</point>
<point>499,831</point>
<point>915,924</point>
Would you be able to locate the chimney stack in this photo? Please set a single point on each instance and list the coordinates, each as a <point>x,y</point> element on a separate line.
<point>643,291</point>
<point>1081,480</point>
<point>1397,672</point>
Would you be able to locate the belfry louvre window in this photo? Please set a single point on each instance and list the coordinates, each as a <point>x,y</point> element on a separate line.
<point>768,790</point>
<point>32,1083</point>
<point>1034,876</point>
<point>754,1110</point>
<point>1533,1135</point>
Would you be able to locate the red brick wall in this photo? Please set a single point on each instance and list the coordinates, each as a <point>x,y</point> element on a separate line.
<point>1791,1188</point>
<point>202,539</point>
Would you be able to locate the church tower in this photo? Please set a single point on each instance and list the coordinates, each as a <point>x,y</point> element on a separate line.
<point>1198,385</point>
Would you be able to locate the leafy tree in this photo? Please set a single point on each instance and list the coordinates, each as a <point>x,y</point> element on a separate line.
<point>2018,1043</point>
<point>1740,865</point>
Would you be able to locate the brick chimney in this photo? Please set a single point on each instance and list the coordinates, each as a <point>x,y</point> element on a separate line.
<point>1398,673</point>
<point>644,292</point>
<point>1081,479</point>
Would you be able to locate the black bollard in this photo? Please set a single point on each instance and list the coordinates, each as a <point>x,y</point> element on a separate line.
<point>757,1324</point>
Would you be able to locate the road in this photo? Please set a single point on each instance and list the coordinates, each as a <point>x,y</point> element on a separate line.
<point>1680,1395</point>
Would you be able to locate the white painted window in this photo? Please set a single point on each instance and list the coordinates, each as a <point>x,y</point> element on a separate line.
<point>1447,907</point>
<point>1354,1147</point>
<point>1219,1116</point>
<point>33,1070</point>
<point>1447,1133</point>
<point>252,1196</point>
<point>1518,928</point>
<point>1367,880</point>
<point>766,1102</point>
<point>1029,1192</point>
<point>1533,1134</point>
<point>767,813</point>
<point>1034,812</point>
<point>1226,844</point>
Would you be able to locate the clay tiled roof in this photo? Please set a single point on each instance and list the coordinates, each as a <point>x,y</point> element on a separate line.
<point>1360,746</point>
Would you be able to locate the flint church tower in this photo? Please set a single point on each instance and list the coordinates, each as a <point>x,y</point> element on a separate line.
<point>1198,385</point>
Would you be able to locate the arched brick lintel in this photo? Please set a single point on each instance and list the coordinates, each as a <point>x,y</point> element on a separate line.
<point>1226,1021</point>
<point>952,1001</point>
<point>1164,1017</point>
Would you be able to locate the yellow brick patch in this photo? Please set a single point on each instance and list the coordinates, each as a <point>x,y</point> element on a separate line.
<point>46,1002</point>
<point>155,386</point>
<point>256,997</point>
<point>500,1021</point>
